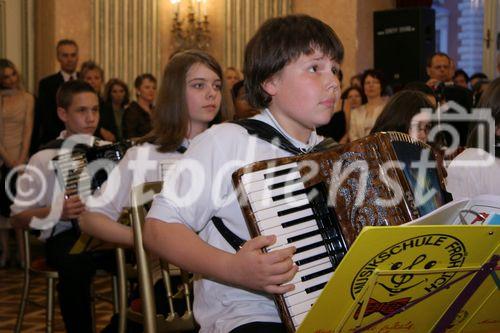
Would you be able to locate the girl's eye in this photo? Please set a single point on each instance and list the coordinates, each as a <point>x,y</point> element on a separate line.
<point>313,69</point>
<point>218,86</point>
<point>335,71</point>
<point>198,85</point>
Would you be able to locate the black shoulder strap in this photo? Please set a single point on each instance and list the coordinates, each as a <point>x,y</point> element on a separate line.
<point>268,133</point>
<point>230,237</point>
<point>181,149</point>
<point>54,144</point>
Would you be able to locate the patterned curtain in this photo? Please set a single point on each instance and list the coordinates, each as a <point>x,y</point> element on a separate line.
<point>126,38</point>
<point>243,17</point>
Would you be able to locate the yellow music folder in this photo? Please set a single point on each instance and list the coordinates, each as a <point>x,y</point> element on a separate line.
<point>410,279</point>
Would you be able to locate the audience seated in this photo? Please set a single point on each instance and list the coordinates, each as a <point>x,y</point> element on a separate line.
<point>94,75</point>
<point>116,100</point>
<point>363,118</point>
<point>137,117</point>
<point>242,108</point>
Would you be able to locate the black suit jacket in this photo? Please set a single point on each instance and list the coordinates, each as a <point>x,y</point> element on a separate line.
<point>47,123</point>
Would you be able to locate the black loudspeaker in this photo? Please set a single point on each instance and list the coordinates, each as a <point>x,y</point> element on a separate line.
<point>403,40</point>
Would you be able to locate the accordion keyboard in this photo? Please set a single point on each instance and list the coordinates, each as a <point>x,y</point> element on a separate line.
<point>299,216</point>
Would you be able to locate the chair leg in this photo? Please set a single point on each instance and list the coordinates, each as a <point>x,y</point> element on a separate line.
<point>92,306</point>
<point>24,301</point>
<point>50,306</point>
<point>121,290</point>
<point>116,299</point>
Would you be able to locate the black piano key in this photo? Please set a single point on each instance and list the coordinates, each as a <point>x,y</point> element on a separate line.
<point>283,184</point>
<point>280,173</point>
<point>309,247</point>
<point>297,221</point>
<point>303,236</point>
<point>315,288</point>
<point>293,210</point>
<point>287,195</point>
<point>316,274</point>
<point>311,259</point>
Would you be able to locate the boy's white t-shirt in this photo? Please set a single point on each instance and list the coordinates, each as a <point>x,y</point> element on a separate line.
<point>38,187</point>
<point>194,198</point>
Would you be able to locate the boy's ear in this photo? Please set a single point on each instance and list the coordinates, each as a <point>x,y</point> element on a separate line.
<point>270,85</point>
<point>62,114</point>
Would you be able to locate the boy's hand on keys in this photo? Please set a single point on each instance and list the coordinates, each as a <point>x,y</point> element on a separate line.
<point>72,208</point>
<point>257,270</point>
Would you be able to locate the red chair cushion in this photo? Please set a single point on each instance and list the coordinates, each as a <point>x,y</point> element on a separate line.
<point>40,264</point>
<point>136,305</point>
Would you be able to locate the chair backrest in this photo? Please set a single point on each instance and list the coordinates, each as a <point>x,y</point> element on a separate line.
<point>141,196</point>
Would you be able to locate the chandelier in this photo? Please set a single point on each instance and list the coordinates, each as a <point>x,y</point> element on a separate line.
<point>194,34</point>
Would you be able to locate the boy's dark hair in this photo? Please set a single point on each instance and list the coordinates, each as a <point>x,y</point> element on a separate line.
<point>69,89</point>
<point>139,79</point>
<point>279,41</point>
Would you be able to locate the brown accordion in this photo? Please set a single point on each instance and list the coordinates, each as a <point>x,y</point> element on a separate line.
<point>319,202</point>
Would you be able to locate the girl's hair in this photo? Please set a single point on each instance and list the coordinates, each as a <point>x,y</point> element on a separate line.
<point>170,118</point>
<point>400,110</point>
<point>4,64</point>
<point>490,99</point>
<point>91,65</point>
<point>346,92</point>
<point>379,75</point>
<point>109,86</point>
<point>280,41</point>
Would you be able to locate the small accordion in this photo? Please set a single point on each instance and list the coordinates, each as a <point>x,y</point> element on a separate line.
<point>85,169</point>
<point>319,202</point>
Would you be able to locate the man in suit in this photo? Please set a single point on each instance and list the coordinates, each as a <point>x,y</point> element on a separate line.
<point>47,123</point>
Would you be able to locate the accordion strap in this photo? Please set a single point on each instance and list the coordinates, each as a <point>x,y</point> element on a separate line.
<point>230,237</point>
<point>269,134</point>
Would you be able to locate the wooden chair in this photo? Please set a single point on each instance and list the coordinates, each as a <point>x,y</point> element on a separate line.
<point>141,196</point>
<point>39,267</point>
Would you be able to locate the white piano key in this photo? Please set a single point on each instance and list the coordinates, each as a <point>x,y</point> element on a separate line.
<point>267,193</point>
<point>279,230</point>
<point>257,206</point>
<point>297,320</point>
<point>263,184</point>
<point>259,175</point>
<point>311,270</point>
<point>273,212</point>
<point>277,221</point>
<point>313,264</point>
<point>301,308</point>
<point>302,286</point>
<point>282,239</point>
<point>301,297</point>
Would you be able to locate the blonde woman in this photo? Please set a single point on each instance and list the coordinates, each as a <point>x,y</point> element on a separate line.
<point>16,126</point>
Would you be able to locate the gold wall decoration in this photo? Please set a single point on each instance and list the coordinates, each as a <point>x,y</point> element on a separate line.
<point>243,17</point>
<point>126,38</point>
